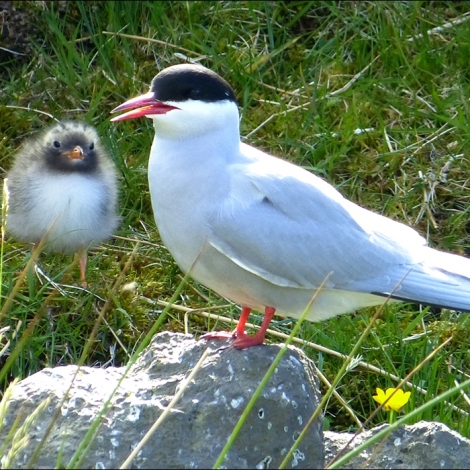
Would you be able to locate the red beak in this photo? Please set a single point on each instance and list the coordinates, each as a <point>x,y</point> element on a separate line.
<point>143,105</point>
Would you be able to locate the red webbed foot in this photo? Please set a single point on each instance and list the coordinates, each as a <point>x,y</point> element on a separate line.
<point>242,340</point>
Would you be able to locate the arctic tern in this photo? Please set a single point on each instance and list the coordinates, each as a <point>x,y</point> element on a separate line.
<point>265,233</point>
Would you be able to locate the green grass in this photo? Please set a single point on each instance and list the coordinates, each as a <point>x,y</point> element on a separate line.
<point>412,163</point>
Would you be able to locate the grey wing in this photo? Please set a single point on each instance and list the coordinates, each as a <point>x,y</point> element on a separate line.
<point>294,233</point>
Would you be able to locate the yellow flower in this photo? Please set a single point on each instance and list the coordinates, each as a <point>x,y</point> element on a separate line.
<point>398,401</point>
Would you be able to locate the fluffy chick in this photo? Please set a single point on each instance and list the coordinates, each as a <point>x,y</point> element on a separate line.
<point>62,188</point>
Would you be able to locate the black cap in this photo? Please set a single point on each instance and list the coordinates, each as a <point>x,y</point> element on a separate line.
<point>191,82</point>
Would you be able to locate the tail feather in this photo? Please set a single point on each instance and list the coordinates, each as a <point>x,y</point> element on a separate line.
<point>441,280</point>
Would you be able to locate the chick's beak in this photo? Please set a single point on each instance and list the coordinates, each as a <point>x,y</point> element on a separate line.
<point>144,105</point>
<point>75,154</point>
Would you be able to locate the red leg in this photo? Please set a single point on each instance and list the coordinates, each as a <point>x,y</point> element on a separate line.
<point>244,341</point>
<point>240,329</point>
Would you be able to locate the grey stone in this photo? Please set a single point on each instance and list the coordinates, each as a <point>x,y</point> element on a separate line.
<point>420,445</point>
<point>196,430</point>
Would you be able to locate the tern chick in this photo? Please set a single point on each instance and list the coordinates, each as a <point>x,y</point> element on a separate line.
<point>62,188</point>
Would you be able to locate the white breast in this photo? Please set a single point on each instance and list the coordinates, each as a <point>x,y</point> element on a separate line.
<point>70,209</point>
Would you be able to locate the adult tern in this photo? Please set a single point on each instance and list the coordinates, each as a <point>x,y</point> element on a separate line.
<point>265,233</point>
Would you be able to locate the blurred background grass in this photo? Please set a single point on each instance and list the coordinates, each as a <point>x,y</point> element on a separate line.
<point>372,96</point>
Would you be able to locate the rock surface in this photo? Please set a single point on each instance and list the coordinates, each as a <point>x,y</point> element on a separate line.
<point>421,445</point>
<point>195,431</point>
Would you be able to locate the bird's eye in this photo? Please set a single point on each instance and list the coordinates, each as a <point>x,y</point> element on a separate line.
<point>195,93</point>
<point>92,146</point>
<point>56,144</point>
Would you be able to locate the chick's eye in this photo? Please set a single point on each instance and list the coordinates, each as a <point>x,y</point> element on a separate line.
<point>56,144</point>
<point>92,146</point>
